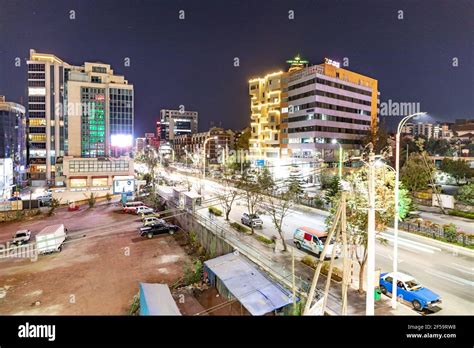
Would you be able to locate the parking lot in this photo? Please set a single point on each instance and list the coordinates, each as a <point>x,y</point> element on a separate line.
<point>97,271</point>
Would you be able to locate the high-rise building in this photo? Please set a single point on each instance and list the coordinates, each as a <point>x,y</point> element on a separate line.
<point>46,124</point>
<point>13,137</point>
<point>177,122</point>
<point>296,115</point>
<point>80,111</point>
<point>103,124</point>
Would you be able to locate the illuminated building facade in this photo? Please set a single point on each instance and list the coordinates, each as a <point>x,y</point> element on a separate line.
<point>81,111</point>
<point>176,122</point>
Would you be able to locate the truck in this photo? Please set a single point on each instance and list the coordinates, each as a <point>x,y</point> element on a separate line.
<point>50,239</point>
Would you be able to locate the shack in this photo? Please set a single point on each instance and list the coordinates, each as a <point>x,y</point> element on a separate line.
<point>156,299</point>
<point>236,277</point>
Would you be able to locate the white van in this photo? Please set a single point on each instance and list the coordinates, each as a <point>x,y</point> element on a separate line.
<point>50,239</point>
<point>313,240</point>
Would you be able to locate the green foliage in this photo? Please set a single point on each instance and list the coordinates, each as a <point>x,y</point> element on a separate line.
<point>332,189</point>
<point>147,177</point>
<point>91,200</point>
<point>238,227</point>
<point>265,181</point>
<point>215,211</point>
<point>464,214</point>
<point>309,261</point>
<point>414,175</point>
<point>193,273</point>
<point>450,232</point>
<point>458,169</point>
<point>108,197</point>
<point>243,141</point>
<point>466,194</point>
<point>439,147</point>
<point>53,205</point>
<point>265,240</point>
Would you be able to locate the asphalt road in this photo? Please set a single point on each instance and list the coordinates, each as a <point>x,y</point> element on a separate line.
<point>436,266</point>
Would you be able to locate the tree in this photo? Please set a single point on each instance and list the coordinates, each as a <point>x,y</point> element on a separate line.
<point>458,169</point>
<point>108,197</point>
<point>252,194</point>
<point>91,200</point>
<point>357,210</point>
<point>379,139</point>
<point>53,205</point>
<point>295,181</point>
<point>150,158</point>
<point>413,174</point>
<point>243,141</point>
<point>466,194</point>
<point>332,188</point>
<point>227,195</point>
<point>265,181</point>
<point>278,208</point>
<point>439,147</point>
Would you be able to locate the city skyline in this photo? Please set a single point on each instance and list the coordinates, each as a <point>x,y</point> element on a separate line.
<point>173,61</point>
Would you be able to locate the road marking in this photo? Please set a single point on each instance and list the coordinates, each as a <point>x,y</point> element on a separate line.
<point>450,277</point>
<point>412,244</point>
<point>468,270</point>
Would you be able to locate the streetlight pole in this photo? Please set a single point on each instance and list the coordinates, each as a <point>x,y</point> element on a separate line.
<point>370,294</point>
<point>204,157</point>
<point>334,141</point>
<point>397,208</point>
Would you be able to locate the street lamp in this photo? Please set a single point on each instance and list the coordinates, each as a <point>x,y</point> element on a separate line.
<point>397,208</point>
<point>334,141</point>
<point>204,156</point>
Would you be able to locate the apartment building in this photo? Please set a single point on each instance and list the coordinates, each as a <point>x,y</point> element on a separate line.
<point>296,115</point>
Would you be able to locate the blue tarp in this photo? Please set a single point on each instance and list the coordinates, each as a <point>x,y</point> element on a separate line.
<point>258,294</point>
<point>156,299</point>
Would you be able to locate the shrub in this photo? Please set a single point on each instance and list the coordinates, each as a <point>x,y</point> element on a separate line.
<point>108,197</point>
<point>215,211</point>
<point>193,273</point>
<point>91,200</point>
<point>309,261</point>
<point>264,240</point>
<point>466,194</point>
<point>53,205</point>
<point>450,232</point>
<point>239,227</point>
<point>464,214</point>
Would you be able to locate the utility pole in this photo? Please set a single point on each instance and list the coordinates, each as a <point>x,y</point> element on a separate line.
<point>293,279</point>
<point>369,295</point>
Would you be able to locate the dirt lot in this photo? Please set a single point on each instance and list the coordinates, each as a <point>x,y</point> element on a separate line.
<point>98,270</point>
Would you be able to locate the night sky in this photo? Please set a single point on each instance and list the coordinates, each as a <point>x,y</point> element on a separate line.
<point>191,61</point>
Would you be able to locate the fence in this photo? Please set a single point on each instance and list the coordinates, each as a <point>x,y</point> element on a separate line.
<point>436,232</point>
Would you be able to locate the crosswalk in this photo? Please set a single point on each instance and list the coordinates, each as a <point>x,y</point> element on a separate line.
<point>410,244</point>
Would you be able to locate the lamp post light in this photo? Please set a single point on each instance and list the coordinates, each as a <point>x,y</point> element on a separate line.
<point>334,141</point>
<point>397,208</point>
<point>204,156</point>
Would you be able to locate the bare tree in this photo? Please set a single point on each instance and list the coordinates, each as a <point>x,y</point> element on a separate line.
<point>228,195</point>
<point>252,195</point>
<point>278,209</point>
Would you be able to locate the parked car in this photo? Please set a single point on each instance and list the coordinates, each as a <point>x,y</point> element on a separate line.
<point>45,200</point>
<point>159,228</point>
<point>21,237</point>
<point>152,220</point>
<point>130,207</point>
<point>409,290</point>
<point>313,240</point>
<point>251,220</point>
<point>144,210</point>
<point>14,199</point>
<point>130,210</point>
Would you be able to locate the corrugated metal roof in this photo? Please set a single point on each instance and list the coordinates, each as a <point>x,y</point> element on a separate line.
<point>156,299</point>
<point>257,293</point>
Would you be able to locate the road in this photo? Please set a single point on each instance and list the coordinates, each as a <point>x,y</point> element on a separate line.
<point>435,265</point>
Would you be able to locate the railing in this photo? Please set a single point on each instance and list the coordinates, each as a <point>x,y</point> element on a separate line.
<point>435,232</point>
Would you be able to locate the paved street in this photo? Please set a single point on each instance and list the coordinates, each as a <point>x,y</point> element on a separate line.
<point>437,266</point>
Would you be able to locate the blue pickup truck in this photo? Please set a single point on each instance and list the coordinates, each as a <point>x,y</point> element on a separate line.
<point>409,290</point>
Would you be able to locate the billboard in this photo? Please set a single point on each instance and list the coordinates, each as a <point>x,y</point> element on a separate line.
<point>121,140</point>
<point>124,185</point>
